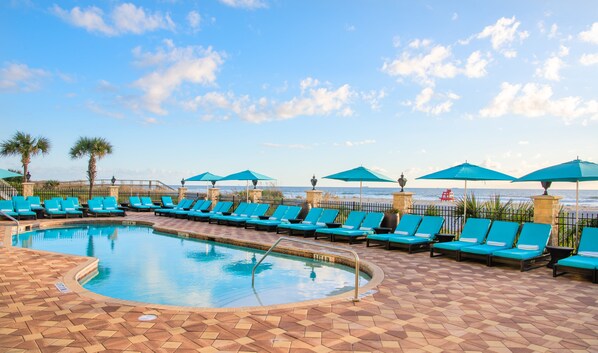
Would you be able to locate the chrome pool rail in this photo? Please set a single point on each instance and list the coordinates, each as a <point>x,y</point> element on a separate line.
<point>12,219</point>
<point>356,295</point>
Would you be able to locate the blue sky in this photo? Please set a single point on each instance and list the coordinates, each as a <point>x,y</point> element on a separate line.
<point>295,88</point>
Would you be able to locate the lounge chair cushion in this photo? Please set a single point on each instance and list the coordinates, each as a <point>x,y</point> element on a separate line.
<point>423,235</point>
<point>347,227</point>
<point>528,247</point>
<point>468,240</point>
<point>579,262</point>
<point>484,249</point>
<point>379,237</point>
<point>453,245</point>
<point>400,232</point>
<point>409,240</point>
<point>588,253</point>
<point>517,254</point>
<point>495,243</point>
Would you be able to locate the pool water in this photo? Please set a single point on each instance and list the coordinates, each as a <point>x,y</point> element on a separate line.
<point>137,263</point>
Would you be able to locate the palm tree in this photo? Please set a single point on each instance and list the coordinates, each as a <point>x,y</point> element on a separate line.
<point>26,146</point>
<point>95,148</point>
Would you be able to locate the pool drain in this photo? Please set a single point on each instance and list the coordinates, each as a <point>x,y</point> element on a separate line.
<point>147,317</point>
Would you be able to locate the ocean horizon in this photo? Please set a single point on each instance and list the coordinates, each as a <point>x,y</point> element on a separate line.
<point>587,198</point>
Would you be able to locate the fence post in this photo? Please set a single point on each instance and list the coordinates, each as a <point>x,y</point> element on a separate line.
<point>255,195</point>
<point>113,191</point>
<point>213,195</point>
<point>402,202</point>
<point>182,192</point>
<point>313,198</point>
<point>28,189</point>
<point>546,210</point>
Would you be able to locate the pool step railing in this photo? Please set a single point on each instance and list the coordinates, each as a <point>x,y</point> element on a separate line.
<point>306,242</point>
<point>12,219</point>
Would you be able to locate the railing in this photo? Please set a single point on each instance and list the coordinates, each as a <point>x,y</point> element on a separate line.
<point>82,193</point>
<point>345,207</point>
<point>12,219</point>
<point>139,183</point>
<point>7,191</point>
<point>356,292</point>
<point>567,234</point>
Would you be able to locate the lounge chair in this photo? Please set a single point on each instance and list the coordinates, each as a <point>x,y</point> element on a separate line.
<point>423,237</point>
<point>75,201</point>
<point>183,205</point>
<point>147,201</point>
<point>372,220</point>
<point>69,207</point>
<point>198,207</point>
<point>109,204</point>
<point>8,208</point>
<point>407,226</point>
<point>474,232</point>
<point>35,202</point>
<point>136,205</point>
<point>241,209</point>
<point>311,218</point>
<point>308,230</point>
<point>239,221</point>
<point>219,207</point>
<point>276,216</point>
<point>17,198</point>
<point>52,209</point>
<point>352,222</point>
<point>270,224</point>
<point>167,202</point>
<point>586,259</point>
<point>96,208</point>
<point>529,249</point>
<point>500,237</point>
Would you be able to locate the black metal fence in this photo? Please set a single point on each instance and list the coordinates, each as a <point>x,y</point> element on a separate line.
<point>453,218</point>
<point>345,207</point>
<point>81,193</point>
<point>567,234</point>
<point>9,190</point>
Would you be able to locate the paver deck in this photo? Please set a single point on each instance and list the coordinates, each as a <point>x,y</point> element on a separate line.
<point>422,305</point>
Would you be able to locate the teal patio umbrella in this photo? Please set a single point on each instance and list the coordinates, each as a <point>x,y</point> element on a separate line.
<point>360,174</point>
<point>572,172</point>
<point>247,175</point>
<point>467,172</point>
<point>8,174</point>
<point>207,176</point>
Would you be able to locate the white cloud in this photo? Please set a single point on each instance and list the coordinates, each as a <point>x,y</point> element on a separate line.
<point>193,65</point>
<point>589,59</point>
<point>150,121</point>
<point>455,16</point>
<point>246,4</point>
<point>194,19</point>
<point>357,143</point>
<point>373,98</point>
<point>591,35</point>
<point>350,28</point>
<point>292,146</point>
<point>502,34</point>
<point>96,108</point>
<point>554,30</point>
<point>313,101</point>
<point>308,82</point>
<point>423,99</point>
<point>476,65</point>
<point>20,77</point>
<point>534,100</point>
<point>551,69</point>
<point>563,51</point>
<point>125,18</point>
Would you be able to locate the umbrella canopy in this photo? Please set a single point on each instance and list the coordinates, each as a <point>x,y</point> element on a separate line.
<point>247,175</point>
<point>467,172</point>
<point>573,172</point>
<point>207,176</point>
<point>360,174</point>
<point>8,174</point>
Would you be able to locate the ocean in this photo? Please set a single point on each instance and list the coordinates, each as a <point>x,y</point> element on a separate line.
<point>587,198</point>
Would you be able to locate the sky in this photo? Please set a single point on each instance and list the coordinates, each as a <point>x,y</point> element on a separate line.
<point>296,88</point>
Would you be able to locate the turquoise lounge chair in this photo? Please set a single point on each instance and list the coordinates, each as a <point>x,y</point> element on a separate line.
<point>474,232</point>
<point>308,230</point>
<point>7,207</point>
<point>109,204</point>
<point>407,226</point>
<point>36,203</point>
<point>501,237</point>
<point>423,237</point>
<point>136,205</point>
<point>529,250</point>
<point>311,218</point>
<point>96,208</point>
<point>69,207</point>
<point>147,201</point>
<point>219,207</point>
<point>251,212</point>
<point>167,202</point>
<point>238,211</point>
<point>353,221</point>
<point>372,220</point>
<point>273,222</point>
<point>276,216</point>
<point>586,259</point>
<point>183,205</point>
<point>52,209</point>
<point>75,201</point>
<point>198,207</point>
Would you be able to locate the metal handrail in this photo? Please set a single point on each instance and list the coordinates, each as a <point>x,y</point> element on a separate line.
<point>12,219</point>
<point>356,295</point>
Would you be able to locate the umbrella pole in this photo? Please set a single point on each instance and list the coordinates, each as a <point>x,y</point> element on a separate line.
<point>465,204</point>
<point>247,191</point>
<point>576,208</point>
<point>360,204</point>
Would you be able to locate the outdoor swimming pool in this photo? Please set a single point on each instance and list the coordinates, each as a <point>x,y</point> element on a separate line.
<point>137,263</point>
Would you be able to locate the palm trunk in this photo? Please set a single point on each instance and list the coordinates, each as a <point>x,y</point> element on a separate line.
<point>25,161</point>
<point>91,173</point>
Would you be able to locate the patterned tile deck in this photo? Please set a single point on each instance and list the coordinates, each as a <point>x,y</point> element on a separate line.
<point>423,305</point>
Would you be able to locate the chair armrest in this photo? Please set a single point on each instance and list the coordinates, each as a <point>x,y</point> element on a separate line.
<point>382,230</point>
<point>295,220</point>
<point>333,225</point>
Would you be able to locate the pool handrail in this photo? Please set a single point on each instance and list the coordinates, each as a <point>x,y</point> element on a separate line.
<point>356,295</point>
<point>12,219</point>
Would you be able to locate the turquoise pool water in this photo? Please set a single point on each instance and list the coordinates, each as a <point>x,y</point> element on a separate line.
<point>140,264</point>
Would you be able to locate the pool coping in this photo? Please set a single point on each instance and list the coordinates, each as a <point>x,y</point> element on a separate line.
<point>72,278</point>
